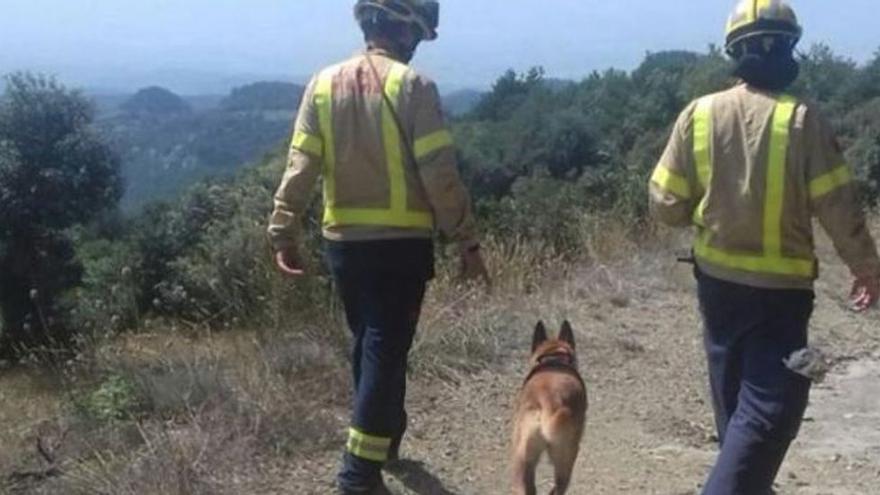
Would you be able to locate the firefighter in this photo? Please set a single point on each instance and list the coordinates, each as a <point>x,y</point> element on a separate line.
<point>372,128</point>
<point>750,168</point>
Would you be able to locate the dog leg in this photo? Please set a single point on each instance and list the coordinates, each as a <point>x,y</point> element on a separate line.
<point>524,477</point>
<point>527,450</point>
<point>563,457</point>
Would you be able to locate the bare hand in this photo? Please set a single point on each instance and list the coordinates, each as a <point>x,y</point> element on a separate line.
<point>865,292</point>
<point>473,267</point>
<point>289,262</point>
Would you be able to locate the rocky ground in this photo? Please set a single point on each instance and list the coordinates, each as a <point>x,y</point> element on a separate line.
<point>650,426</point>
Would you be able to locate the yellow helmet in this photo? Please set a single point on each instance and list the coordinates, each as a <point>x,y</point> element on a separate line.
<point>753,18</point>
<point>425,14</point>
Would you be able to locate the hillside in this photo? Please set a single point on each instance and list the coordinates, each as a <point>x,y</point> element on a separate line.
<point>168,142</point>
<point>276,428</point>
<point>458,103</point>
<point>200,370</point>
<point>650,428</point>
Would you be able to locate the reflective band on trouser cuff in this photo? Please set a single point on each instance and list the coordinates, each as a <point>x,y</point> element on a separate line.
<point>669,181</point>
<point>703,152</point>
<point>308,143</point>
<point>432,142</point>
<point>830,182</point>
<point>324,102</point>
<point>774,194</point>
<point>368,447</point>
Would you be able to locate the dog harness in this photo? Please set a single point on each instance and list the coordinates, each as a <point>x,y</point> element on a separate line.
<point>557,361</point>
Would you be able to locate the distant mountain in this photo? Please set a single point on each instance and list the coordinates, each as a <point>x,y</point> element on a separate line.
<point>108,102</point>
<point>264,96</point>
<point>168,141</point>
<point>201,103</point>
<point>462,101</point>
<point>130,78</point>
<point>155,102</point>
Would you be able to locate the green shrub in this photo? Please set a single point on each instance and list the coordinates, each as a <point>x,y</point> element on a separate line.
<point>108,299</point>
<point>113,399</point>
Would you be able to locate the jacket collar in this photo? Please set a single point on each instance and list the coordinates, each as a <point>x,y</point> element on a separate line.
<point>382,52</point>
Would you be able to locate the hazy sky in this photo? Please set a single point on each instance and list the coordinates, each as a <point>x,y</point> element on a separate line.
<point>205,45</point>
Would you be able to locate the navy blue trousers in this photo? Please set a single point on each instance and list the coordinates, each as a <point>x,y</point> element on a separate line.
<point>382,285</point>
<point>759,403</point>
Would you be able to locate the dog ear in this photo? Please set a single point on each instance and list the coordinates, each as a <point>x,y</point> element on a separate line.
<point>566,334</point>
<point>540,335</point>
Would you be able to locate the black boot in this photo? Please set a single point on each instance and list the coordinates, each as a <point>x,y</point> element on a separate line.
<point>379,489</point>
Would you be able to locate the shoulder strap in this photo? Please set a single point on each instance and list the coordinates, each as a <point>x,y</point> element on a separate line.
<point>407,143</point>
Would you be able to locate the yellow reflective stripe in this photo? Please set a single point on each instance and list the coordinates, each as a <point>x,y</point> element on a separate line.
<point>397,215</point>
<point>379,217</point>
<point>670,181</point>
<point>774,195</point>
<point>771,260</point>
<point>368,447</point>
<point>753,263</point>
<point>324,102</point>
<point>703,152</point>
<point>391,134</point>
<point>308,143</point>
<point>703,141</point>
<point>432,142</point>
<point>831,181</point>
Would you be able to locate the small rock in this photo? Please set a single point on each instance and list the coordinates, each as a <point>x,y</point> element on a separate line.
<point>810,363</point>
<point>620,301</point>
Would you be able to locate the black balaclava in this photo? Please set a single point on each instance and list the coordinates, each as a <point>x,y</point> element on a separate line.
<point>379,26</point>
<point>767,63</point>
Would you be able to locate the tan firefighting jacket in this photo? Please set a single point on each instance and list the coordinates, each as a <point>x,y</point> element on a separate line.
<point>374,186</point>
<point>751,170</point>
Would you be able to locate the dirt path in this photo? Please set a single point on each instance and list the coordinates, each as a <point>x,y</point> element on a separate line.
<point>650,426</point>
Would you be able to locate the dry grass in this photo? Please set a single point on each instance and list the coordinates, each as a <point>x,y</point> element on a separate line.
<point>204,412</point>
<point>193,412</point>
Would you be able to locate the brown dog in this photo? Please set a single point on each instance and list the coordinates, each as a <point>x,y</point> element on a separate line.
<point>550,413</point>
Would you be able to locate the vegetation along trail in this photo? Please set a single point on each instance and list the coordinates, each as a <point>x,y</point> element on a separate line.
<point>199,371</point>
<point>650,429</point>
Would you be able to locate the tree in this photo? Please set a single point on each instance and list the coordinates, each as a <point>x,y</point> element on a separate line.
<point>54,173</point>
<point>508,93</point>
<point>828,78</point>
